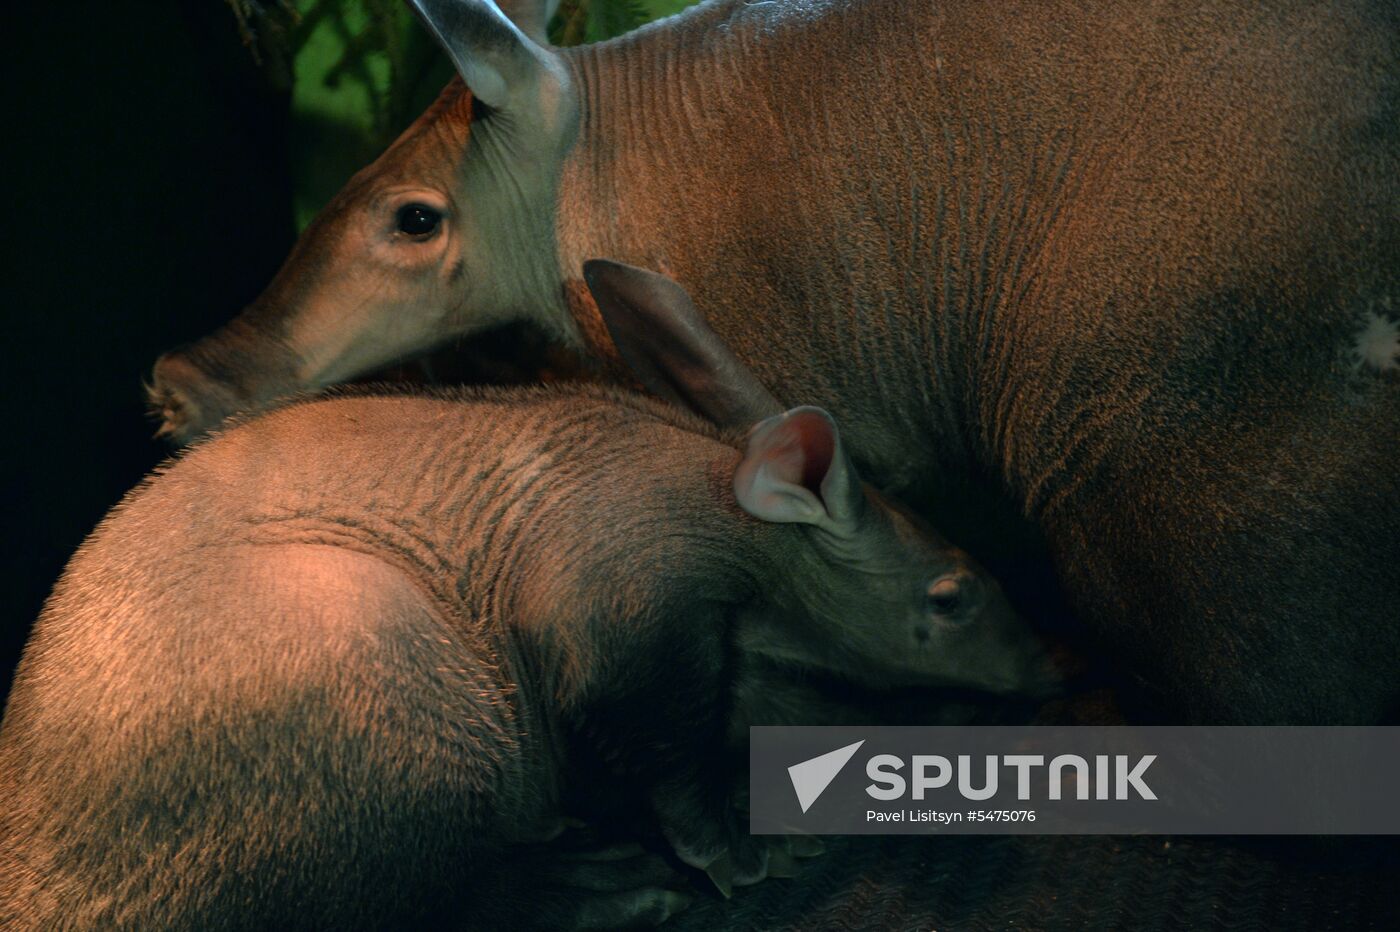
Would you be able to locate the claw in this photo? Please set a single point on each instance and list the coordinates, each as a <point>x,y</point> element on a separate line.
<point>805,846</point>
<point>721,873</point>
<point>674,902</point>
<point>781,863</point>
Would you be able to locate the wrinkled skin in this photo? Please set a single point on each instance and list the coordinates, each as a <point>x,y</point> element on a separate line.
<point>345,660</point>
<point>1130,268</point>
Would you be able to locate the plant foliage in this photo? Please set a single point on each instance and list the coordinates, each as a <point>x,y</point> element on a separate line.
<point>359,71</point>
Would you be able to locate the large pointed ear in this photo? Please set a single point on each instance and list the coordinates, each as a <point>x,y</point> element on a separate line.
<point>669,347</point>
<point>498,61</point>
<point>532,16</point>
<point>795,470</point>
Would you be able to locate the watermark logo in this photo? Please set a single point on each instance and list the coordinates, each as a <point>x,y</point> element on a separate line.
<point>1075,780</point>
<point>1116,777</point>
<point>811,777</point>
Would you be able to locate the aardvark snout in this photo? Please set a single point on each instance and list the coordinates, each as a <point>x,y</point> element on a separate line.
<point>186,400</point>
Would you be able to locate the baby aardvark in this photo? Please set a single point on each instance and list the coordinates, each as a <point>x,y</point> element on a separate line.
<point>332,669</point>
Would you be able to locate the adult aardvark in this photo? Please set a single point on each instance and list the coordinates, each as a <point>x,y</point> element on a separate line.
<point>1136,264</point>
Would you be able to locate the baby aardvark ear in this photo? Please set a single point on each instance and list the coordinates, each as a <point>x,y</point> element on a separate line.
<point>671,350</point>
<point>795,470</point>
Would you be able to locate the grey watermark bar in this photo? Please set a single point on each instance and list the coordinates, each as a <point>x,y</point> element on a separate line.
<point>1036,780</point>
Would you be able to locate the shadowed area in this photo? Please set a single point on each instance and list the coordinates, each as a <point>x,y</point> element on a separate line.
<point>146,178</point>
<point>1084,883</point>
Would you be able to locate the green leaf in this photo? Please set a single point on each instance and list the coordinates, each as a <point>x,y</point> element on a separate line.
<point>610,18</point>
<point>361,70</point>
<point>579,21</point>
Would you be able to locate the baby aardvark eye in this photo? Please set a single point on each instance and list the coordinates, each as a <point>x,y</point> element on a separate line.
<point>418,220</point>
<point>945,595</point>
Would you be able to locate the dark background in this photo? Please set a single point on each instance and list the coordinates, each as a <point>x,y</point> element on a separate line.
<point>147,198</point>
<point>149,183</point>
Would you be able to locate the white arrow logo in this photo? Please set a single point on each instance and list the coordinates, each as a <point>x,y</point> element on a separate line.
<point>811,777</point>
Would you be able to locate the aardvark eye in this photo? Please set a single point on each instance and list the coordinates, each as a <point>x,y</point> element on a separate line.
<point>945,596</point>
<point>418,220</point>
